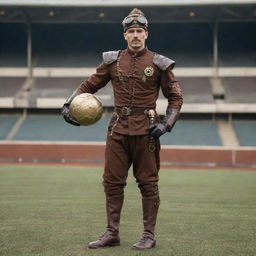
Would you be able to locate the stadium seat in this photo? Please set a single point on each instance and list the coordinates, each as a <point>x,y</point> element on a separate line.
<point>240,89</point>
<point>54,128</point>
<point>9,87</point>
<point>194,133</point>
<point>245,131</point>
<point>6,125</point>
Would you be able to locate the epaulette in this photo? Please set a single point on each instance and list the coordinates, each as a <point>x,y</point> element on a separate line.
<point>110,57</point>
<point>163,62</point>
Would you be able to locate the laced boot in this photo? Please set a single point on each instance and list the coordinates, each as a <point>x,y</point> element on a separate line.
<point>150,209</point>
<point>111,236</point>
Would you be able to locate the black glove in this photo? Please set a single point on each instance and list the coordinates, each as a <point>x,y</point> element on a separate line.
<point>65,110</point>
<point>158,129</point>
<point>67,117</point>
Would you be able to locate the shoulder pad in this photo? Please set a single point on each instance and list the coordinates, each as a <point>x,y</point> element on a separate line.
<point>163,62</point>
<point>110,57</point>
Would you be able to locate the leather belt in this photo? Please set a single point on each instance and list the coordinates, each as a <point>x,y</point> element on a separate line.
<point>130,111</point>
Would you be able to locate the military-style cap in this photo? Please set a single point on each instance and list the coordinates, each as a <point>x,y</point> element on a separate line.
<point>136,18</point>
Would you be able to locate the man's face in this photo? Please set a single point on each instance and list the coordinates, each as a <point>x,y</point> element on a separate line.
<point>135,38</point>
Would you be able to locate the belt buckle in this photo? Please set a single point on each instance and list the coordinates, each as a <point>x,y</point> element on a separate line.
<point>126,111</point>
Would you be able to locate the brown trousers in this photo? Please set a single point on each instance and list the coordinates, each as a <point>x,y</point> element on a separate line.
<point>122,151</point>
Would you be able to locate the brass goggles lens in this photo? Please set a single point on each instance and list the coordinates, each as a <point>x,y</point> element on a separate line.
<point>136,19</point>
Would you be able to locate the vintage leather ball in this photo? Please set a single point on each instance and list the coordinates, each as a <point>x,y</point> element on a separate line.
<point>86,109</point>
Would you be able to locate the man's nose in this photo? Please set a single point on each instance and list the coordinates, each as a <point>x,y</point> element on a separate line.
<point>135,34</point>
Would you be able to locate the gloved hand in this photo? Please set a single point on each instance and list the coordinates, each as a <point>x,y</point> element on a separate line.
<point>65,110</point>
<point>67,117</point>
<point>158,129</point>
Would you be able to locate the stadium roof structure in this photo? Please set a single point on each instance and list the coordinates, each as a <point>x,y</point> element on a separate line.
<point>113,11</point>
<point>88,3</point>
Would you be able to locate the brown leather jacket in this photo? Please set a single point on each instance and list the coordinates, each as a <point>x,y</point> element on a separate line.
<point>136,79</point>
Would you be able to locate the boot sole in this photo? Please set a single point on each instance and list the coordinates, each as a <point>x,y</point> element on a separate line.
<point>141,249</point>
<point>108,245</point>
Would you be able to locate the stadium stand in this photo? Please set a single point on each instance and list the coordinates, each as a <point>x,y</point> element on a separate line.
<point>59,83</point>
<point>13,45</point>
<point>9,87</point>
<point>51,128</point>
<point>192,85</point>
<point>46,50</point>
<point>174,43</point>
<point>246,132</point>
<point>67,45</point>
<point>236,47</point>
<point>194,133</point>
<point>240,89</point>
<point>52,92</point>
<point>6,125</point>
<point>45,91</point>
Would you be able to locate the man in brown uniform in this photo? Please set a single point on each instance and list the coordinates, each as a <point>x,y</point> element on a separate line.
<point>136,74</point>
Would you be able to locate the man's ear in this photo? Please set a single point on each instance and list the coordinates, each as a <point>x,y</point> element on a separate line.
<point>124,36</point>
<point>146,35</point>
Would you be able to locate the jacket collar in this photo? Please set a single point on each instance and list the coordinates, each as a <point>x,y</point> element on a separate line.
<point>137,54</point>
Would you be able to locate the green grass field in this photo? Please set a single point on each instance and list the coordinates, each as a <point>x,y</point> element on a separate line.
<point>56,210</point>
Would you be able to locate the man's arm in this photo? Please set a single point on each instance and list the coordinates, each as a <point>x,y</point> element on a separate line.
<point>171,90</point>
<point>96,81</point>
<point>90,85</point>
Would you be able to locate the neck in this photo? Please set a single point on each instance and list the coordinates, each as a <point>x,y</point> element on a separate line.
<point>135,50</point>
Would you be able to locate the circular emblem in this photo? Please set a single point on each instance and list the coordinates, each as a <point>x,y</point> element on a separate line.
<point>149,71</point>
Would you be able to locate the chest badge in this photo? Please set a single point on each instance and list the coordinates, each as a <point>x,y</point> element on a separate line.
<point>149,71</point>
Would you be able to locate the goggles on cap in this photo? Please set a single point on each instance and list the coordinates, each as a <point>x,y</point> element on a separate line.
<point>135,19</point>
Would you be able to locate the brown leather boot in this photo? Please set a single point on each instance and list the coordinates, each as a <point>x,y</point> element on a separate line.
<point>111,236</point>
<point>107,239</point>
<point>150,208</point>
